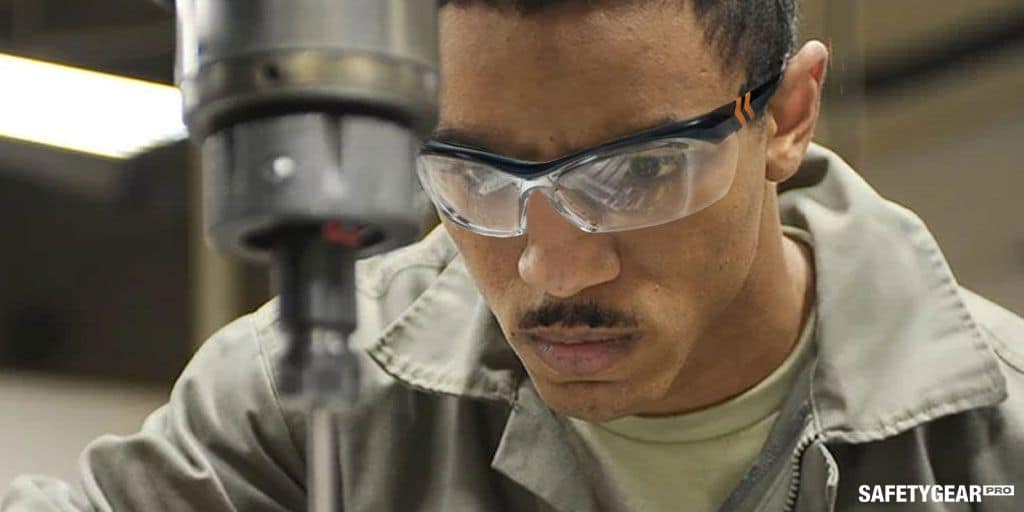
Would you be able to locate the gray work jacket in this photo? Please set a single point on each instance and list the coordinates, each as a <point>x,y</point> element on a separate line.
<point>915,381</point>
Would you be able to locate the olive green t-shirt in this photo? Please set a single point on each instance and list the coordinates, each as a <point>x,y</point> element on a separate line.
<point>692,461</point>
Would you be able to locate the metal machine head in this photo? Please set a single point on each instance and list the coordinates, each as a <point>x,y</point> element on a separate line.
<point>307,111</point>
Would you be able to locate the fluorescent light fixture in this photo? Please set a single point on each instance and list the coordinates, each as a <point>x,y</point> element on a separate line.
<point>85,111</point>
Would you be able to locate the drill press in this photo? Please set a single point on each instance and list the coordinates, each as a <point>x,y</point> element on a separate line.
<point>308,114</point>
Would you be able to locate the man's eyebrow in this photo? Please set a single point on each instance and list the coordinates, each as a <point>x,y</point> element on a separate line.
<point>460,137</point>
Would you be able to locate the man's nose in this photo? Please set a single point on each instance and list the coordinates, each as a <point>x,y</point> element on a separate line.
<point>561,259</point>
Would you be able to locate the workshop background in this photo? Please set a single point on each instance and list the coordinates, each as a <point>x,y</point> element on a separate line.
<point>106,286</point>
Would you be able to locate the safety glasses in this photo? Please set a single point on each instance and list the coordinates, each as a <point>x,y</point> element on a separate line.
<point>642,180</point>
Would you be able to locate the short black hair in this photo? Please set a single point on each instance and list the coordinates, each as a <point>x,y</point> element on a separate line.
<point>760,34</point>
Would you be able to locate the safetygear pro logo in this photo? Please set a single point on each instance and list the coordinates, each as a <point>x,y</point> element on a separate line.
<point>905,493</point>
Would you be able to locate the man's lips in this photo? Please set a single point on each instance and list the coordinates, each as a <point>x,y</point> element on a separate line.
<point>581,351</point>
<point>580,335</point>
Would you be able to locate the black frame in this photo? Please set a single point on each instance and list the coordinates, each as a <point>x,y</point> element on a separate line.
<point>713,126</point>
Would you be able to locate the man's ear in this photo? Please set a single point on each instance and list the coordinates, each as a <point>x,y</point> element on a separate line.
<point>793,111</point>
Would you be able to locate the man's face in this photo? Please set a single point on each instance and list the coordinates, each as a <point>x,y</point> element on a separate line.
<point>542,86</point>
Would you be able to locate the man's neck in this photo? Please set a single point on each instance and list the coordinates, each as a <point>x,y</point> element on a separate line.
<point>759,329</point>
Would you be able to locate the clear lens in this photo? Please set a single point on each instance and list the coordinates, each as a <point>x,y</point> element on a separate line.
<point>474,195</point>
<point>624,189</point>
<point>657,183</point>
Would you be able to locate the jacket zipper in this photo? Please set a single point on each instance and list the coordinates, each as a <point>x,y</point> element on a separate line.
<point>794,484</point>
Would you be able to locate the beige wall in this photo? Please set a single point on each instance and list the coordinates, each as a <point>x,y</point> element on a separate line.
<point>48,420</point>
<point>946,145</point>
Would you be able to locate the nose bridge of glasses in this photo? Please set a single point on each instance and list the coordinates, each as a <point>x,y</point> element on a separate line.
<point>541,185</point>
<point>547,191</point>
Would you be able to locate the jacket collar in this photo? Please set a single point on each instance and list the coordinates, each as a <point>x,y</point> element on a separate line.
<point>896,344</point>
<point>446,340</point>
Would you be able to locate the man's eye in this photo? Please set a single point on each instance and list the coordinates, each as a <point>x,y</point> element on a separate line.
<point>652,167</point>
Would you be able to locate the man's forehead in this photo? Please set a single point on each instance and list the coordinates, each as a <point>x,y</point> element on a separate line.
<point>537,88</point>
<point>625,45</point>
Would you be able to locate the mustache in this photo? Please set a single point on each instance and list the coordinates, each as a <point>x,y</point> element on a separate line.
<point>576,314</point>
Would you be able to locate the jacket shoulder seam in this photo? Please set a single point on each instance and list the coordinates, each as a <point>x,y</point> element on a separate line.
<point>1003,350</point>
<point>996,339</point>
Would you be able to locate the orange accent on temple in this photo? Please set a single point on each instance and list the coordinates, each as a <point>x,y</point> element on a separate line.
<point>739,112</point>
<point>746,105</point>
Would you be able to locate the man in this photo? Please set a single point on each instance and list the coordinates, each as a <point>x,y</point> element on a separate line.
<point>645,324</point>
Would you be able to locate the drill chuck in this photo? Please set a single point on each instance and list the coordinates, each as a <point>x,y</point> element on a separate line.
<point>307,111</point>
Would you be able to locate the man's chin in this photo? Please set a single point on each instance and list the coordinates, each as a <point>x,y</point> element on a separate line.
<point>592,401</point>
